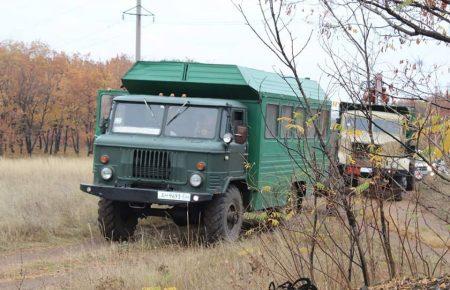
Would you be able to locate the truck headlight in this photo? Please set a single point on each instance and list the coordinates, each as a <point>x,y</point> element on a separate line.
<point>195,180</point>
<point>227,138</point>
<point>106,173</point>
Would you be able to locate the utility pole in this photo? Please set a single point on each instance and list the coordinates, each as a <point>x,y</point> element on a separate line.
<point>138,30</point>
<point>138,13</point>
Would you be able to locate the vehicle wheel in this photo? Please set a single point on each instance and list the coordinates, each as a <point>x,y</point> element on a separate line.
<point>117,221</point>
<point>224,215</point>
<point>398,185</point>
<point>410,181</point>
<point>350,180</point>
<point>297,193</point>
<point>410,177</point>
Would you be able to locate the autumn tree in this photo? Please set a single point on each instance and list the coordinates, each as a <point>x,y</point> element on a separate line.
<point>48,98</point>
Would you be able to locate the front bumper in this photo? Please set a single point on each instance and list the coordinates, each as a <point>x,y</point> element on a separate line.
<point>141,195</point>
<point>368,172</point>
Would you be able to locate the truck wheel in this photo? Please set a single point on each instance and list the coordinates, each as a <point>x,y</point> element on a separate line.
<point>410,176</point>
<point>397,187</point>
<point>224,215</point>
<point>297,193</point>
<point>117,221</point>
<point>410,180</point>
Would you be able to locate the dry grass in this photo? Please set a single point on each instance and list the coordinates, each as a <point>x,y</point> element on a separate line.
<point>41,201</point>
<point>49,239</point>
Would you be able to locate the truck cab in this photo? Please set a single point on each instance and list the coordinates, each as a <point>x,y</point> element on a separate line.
<point>190,141</point>
<point>375,139</point>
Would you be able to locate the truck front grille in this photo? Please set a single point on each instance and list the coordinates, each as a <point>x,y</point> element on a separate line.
<point>151,164</point>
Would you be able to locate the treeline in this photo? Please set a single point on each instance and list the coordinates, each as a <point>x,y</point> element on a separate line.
<point>47,98</point>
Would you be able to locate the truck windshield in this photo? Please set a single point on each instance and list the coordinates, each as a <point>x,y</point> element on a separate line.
<point>138,118</point>
<point>379,126</point>
<point>191,122</point>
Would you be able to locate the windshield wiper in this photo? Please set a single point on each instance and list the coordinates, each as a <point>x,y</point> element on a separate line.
<point>179,112</point>
<point>150,108</point>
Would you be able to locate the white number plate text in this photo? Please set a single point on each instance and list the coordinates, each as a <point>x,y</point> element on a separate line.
<point>366,170</point>
<point>172,195</point>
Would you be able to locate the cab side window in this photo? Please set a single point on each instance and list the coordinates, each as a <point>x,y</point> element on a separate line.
<point>286,112</point>
<point>224,128</point>
<point>237,119</point>
<point>299,119</point>
<point>271,121</point>
<point>310,131</point>
<point>105,107</point>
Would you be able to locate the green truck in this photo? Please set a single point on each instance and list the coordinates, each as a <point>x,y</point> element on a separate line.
<point>200,143</point>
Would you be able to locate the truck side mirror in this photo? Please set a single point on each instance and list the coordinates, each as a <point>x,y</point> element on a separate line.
<point>105,110</point>
<point>241,134</point>
<point>104,125</point>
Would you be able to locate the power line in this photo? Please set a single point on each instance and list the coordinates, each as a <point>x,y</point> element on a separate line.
<point>59,14</point>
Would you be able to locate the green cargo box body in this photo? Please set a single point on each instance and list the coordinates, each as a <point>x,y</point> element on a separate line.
<point>270,163</point>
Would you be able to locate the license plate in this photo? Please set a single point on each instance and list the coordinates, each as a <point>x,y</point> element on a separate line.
<point>171,195</point>
<point>366,170</point>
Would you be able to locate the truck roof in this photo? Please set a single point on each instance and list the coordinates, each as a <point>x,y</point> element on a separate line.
<point>402,110</point>
<point>213,81</point>
<point>179,101</point>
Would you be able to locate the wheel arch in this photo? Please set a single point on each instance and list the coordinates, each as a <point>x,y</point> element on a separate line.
<point>242,185</point>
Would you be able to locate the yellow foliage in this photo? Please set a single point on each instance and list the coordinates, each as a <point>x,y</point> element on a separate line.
<point>303,250</point>
<point>51,94</point>
<point>299,128</point>
<point>266,189</point>
<point>446,139</point>
<point>284,119</point>
<point>298,115</point>
<point>350,159</point>
<point>246,251</point>
<point>247,166</point>
<point>274,222</point>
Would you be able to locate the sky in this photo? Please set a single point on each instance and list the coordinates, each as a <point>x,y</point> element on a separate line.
<point>202,30</point>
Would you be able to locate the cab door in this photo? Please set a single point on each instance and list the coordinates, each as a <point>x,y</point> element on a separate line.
<point>104,105</point>
<point>238,149</point>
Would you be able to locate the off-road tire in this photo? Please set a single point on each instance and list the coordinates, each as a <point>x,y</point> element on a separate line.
<point>117,221</point>
<point>223,216</point>
<point>297,194</point>
<point>410,181</point>
<point>397,188</point>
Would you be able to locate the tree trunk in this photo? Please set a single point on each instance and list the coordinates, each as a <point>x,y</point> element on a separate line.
<point>29,143</point>
<point>356,239</point>
<point>11,147</point>
<point>75,141</point>
<point>57,139</point>
<point>65,138</point>
<point>51,140</point>
<point>46,142</point>
<point>40,142</point>
<point>1,143</point>
<point>386,241</point>
<point>21,147</point>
